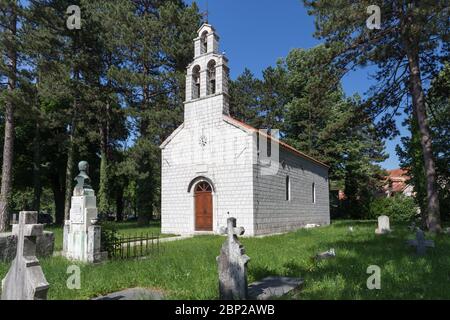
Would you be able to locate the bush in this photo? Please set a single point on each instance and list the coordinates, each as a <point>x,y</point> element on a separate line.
<point>108,236</point>
<point>398,208</point>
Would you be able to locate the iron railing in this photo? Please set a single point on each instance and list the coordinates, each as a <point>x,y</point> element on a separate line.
<point>133,246</point>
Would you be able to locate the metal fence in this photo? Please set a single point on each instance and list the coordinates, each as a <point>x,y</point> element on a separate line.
<point>133,246</point>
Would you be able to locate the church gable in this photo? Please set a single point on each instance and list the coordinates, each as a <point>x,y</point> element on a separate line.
<point>172,136</point>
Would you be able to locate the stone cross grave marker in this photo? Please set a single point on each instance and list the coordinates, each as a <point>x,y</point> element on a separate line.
<point>383,225</point>
<point>420,243</point>
<point>25,279</point>
<point>232,264</point>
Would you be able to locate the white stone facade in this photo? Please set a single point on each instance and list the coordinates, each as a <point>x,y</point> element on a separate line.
<point>211,146</point>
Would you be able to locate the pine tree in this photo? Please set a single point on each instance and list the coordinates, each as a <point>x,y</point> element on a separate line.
<point>244,99</point>
<point>9,64</point>
<point>406,49</point>
<point>159,47</point>
<point>410,152</point>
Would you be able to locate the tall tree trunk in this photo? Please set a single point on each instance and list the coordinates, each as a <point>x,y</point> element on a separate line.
<point>415,134</point>
<point>37,186</point>
<point>103,192</point>
<point>119,204</point>
<point>8,146</point>
<point>58,196</point>
<point>418,99</point>
<point>144,193</point>
<point>70,162</point>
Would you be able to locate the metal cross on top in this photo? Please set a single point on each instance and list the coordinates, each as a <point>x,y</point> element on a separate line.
<point>420,243</point>
<point>25,279</point>
<point>206,13</point>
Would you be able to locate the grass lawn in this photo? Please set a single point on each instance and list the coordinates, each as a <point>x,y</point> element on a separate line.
<point>123,228</point>
<point>187,269</point>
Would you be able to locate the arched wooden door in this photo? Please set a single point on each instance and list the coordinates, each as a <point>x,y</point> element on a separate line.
<point>203,207</point>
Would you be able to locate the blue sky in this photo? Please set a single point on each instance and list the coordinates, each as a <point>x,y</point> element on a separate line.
<point>256,33</point>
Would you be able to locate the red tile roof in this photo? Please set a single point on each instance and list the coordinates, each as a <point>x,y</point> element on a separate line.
<point>398,173</point>
<point>397,180</point>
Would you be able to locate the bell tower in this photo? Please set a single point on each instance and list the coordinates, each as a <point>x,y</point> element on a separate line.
<point>207,77</point>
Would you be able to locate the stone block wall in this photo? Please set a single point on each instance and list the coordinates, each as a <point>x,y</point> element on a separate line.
<point>8,245</point>
<point>275,214</point>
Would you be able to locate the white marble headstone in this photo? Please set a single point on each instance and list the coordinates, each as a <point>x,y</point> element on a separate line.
<point>383,225</point>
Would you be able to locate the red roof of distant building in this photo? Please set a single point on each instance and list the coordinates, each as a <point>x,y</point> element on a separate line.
<point>397,180</point>
<point>398,173</point>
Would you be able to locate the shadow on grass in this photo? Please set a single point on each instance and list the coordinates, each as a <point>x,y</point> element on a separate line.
<point>404,275</point>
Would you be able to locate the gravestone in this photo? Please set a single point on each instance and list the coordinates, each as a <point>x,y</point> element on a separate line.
<point>134,294</point>
<point>232,264</point>
<point>383,225</point>
<point>420,243</point>
<point>81,234</point>
<point>273,287</point>
<point>326,255</point>
<point>8,245</point>
<point>25,279</point>
<point>312,225</point>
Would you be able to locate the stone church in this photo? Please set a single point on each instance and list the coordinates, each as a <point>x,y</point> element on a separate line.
<point>215,167</point>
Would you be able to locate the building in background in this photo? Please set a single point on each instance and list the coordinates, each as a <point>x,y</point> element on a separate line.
<point>214,166</point>
<point>397,183</point>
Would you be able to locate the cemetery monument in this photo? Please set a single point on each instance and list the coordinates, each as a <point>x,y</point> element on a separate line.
<point>25,279</point>
<point>383,225</point>
<point>81,234</point>
<point>420,243</point>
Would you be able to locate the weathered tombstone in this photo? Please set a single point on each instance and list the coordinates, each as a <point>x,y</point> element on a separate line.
<point>420,243</point>
<point>273,287</point>
<point>25,279</point>
<point>383,225</point>
<point>326,255</point>
<point>81,234</point>
<point>134,294</point>
<point>8,245</point>
<point>232,264</point>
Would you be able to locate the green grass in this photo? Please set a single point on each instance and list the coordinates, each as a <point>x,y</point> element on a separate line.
<point>58,232</point>
<point>123,228</point>
<point>187,269</point>
<point>132,228</point>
